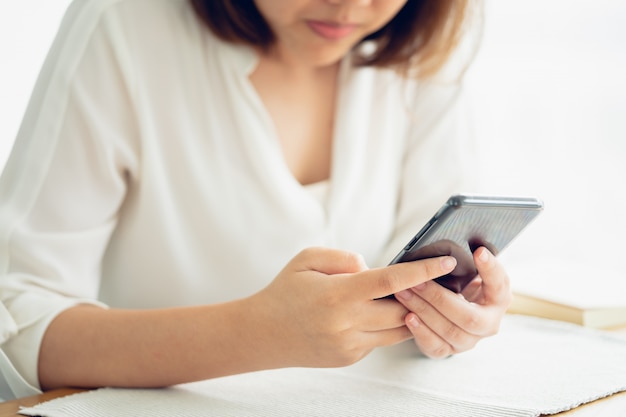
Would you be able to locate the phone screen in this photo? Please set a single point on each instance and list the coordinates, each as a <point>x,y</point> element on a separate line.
<point>464,224</point>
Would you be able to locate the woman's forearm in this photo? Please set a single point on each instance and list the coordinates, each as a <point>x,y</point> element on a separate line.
<point>88,346</point>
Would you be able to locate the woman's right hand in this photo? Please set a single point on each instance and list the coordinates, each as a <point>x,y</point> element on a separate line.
<point>324,309</point>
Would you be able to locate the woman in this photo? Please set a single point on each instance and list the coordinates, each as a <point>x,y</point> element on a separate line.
<point>185,171</point>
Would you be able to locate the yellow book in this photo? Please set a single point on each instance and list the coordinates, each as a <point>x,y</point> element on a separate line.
<point>598,317</point>
<point>569,291</point>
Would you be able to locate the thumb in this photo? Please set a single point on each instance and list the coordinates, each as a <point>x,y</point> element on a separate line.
<point>495,281</point>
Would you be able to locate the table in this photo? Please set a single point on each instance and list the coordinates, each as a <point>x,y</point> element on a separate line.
<point>614,405</point>
<point>10,408</point>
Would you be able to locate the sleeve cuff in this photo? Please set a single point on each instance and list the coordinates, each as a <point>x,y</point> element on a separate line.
<point>19,351</point>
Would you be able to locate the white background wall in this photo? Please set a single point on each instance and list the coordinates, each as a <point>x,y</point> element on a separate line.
<point>549,101</point>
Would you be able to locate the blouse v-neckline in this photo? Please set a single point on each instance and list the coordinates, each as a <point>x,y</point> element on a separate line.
<point>245,60</point>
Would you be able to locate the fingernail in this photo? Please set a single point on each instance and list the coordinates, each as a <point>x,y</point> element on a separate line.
<point>484,255</point>
<point>412,321</point>
<point>448,263</point>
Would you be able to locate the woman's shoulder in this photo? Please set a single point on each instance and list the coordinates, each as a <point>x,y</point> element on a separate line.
<point>140,27</point>
<point>83,16</point>
<point>78,8</point>
<point>416,96</point>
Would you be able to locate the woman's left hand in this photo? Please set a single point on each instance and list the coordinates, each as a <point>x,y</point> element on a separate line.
<point>444,323</point>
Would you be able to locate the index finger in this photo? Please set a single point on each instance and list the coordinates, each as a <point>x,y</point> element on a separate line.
<point>381,282</point>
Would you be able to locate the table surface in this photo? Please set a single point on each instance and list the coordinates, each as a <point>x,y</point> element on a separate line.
<point>614,405</point>
<point>10,408</point>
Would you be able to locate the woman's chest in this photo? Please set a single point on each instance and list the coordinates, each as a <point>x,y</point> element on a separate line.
<point>301,108</point>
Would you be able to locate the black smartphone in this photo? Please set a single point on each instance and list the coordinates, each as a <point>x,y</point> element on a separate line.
<point>462,225</point>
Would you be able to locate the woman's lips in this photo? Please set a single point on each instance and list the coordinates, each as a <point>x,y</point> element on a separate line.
<point>330,30</point>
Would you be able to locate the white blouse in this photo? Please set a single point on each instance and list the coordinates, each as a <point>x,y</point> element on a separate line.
<point>147,173</point>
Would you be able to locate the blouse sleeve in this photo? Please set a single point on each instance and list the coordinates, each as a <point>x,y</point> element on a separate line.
<point>66,177</point>
<point>439,155</point>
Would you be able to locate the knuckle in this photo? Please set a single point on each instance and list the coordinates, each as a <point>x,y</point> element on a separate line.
<point>355,259</point>
<point>503,285</point>
<point>465,346</point>
<point>352,356</point>
<point>307,254</point>
<point>506,280</point>
<point>434,347</point>
<point>440,351</point>
<point>348,353</point>
<point>492,332</point>
<point>433,268</point>
<point>477,324</point>
<point>389,280</point>
<point>308,251</point>
<point>473,322</point>
<point>429,268</point>
<point>506,285</point>
<point>419,306</point>
<point>438,297</point>
<point>493,329</point>
<point>507,299</point>
<point>459,339</point>
<point>452,332</point>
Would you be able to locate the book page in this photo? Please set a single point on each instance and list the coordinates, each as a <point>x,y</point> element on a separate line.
<point>570,282</point>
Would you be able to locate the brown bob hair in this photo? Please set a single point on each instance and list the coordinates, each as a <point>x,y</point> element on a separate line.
<point>418,40</point>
